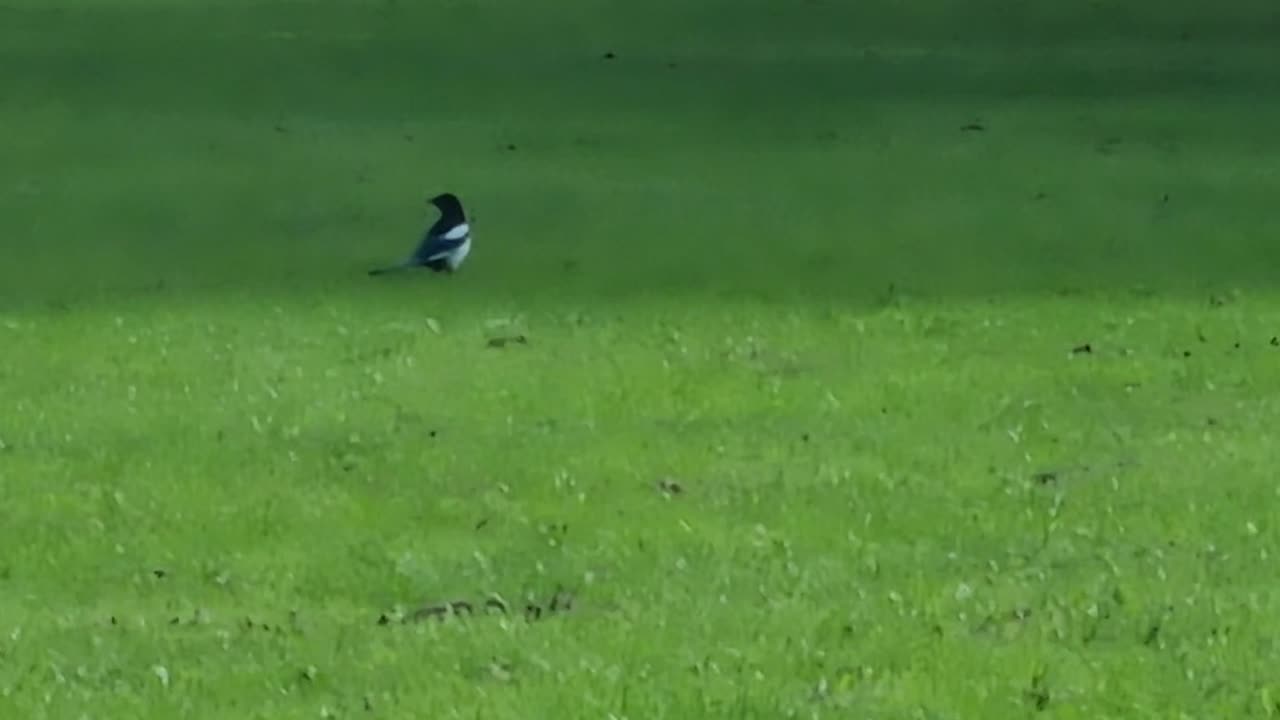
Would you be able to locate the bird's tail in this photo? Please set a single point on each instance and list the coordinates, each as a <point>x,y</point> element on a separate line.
<point>391,268</point>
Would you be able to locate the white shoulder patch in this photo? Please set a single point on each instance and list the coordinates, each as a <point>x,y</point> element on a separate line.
<point>457,232</point>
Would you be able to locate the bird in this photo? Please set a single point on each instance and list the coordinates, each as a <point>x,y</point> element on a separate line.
<point>446,244</point>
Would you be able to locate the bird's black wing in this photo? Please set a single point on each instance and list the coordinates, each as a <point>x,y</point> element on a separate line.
<point>435,246</point>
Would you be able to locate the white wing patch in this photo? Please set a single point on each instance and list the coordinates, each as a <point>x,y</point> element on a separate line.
<point>455,256</point>
<point>457,232</point>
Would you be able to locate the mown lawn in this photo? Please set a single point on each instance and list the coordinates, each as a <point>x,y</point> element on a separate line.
<point>819,359</point>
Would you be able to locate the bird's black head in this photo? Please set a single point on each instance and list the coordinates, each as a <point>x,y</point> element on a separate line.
<point>450,207</point>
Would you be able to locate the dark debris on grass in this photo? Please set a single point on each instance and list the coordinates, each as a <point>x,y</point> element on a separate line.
<point>1052,476</point>
<point>561,601</point>
<point>1045,477</point>
<point>505,340</point>
<point>1038,693</point>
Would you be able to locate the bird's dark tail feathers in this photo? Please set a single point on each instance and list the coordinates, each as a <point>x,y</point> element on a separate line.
<point>390,269</point>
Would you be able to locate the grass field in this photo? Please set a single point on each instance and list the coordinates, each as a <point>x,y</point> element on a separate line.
<point>882,360</point>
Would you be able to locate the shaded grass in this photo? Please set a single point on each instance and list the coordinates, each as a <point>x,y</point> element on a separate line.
<point>821,142</point>
<point>228,453</point>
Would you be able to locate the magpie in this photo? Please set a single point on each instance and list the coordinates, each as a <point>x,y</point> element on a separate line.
<point>446,244</point>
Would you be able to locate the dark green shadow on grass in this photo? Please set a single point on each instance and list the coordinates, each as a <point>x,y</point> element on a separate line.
<point>819,149</point>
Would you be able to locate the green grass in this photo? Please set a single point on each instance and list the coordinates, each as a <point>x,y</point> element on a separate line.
<point>754,253</point>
